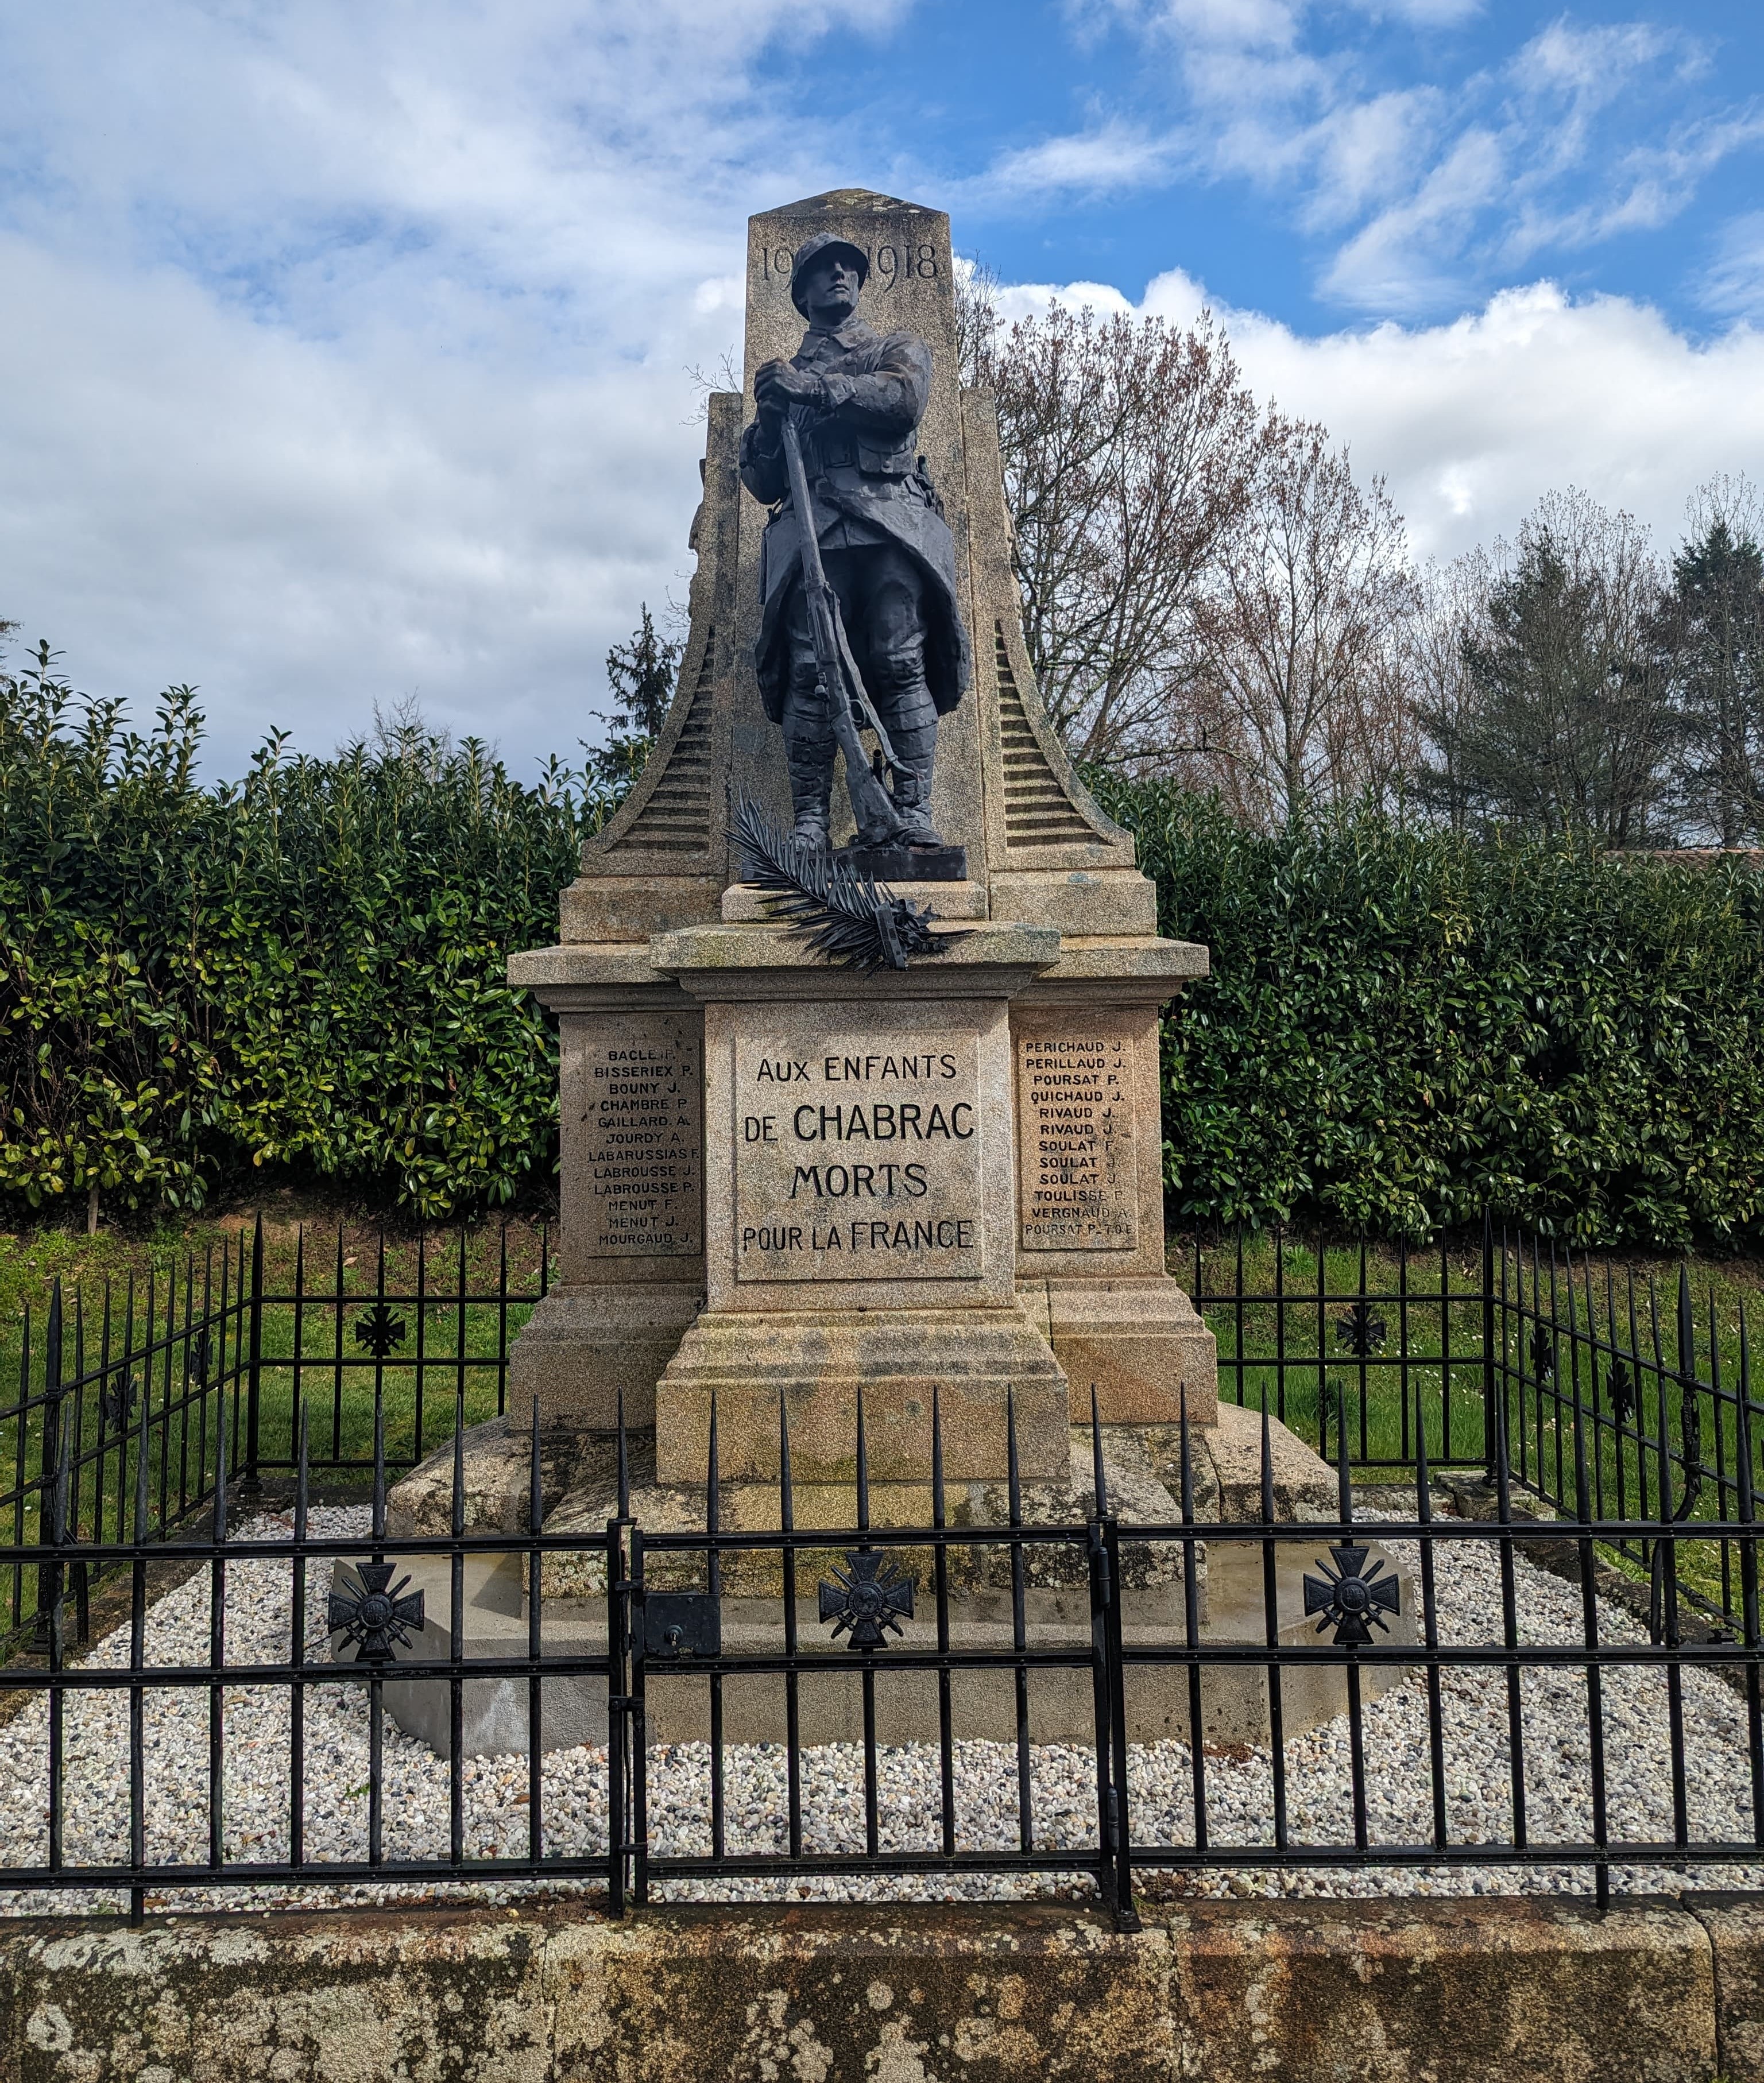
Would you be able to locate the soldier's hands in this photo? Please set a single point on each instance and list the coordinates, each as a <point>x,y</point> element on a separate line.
<point>777,386</point>
<point>771,402</point>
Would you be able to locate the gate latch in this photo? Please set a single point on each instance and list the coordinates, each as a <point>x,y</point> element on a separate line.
<point>682,1624</point>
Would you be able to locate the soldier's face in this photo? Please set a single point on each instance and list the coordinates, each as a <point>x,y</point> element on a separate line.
<point>829,289</point>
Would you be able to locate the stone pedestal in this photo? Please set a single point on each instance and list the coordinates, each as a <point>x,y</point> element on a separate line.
<point>859,1157</point>
<point>971,1359</point>
<point>1090,1192</point>
<point>972,1201</point>
<point>1139,1344</point>
<point>782,1179</point>
<point>789,1188</point>
<point>1230,1602</point>
<point>631,1258</point>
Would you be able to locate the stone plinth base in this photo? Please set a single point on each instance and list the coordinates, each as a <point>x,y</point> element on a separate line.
<point>905,864</point>
<point>1141,1475</point>
<point>817,1362</point>
<point>1133,1495</point>
<point>582,1345</point>
<point>1139,1342</point>
<point>1235,1701</point>
<point>1305,1486</point>
<point>496,1480</point>
<point>596,909</point>
<point>1142,1470</point>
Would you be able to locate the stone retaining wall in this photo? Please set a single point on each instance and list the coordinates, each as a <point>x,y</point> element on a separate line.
<point>1280,1992</point>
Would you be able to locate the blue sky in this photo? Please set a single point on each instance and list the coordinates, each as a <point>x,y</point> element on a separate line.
<point>346,350</point>
<point>1338,161</point>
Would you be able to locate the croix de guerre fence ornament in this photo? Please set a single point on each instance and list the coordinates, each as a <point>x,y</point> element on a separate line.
<point>376,1615</point>
<point>1354,1596</point>
<point>866,1601</point>
<point>380,1331</point>
<point>860,628</point>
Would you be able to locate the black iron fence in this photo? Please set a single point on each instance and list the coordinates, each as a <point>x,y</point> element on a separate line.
<point>230,1341</point>
<point>301,1694</point>
<point>1566,1347</point>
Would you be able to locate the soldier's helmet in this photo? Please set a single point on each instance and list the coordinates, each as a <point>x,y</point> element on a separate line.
<point>817,248</point>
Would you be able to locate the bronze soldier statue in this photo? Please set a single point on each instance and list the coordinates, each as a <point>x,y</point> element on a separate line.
<point>855,398</point>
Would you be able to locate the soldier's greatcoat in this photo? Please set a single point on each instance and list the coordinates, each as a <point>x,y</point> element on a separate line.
<point>868,487</point>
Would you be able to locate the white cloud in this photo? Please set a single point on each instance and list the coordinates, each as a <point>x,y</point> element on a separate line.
<point>1590,63</point>
<point>1422,14</point>
<point>1248,22</point>
<point>1109,159</point>
<point>1471,422</point>
<point>191,495</point>
<point>1403,259</point>
<point>1733,284</point>
<point>1368,150</point>
<point>346,351</point>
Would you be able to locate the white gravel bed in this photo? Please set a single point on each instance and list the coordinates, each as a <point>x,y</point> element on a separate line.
<point>1240,1797</point>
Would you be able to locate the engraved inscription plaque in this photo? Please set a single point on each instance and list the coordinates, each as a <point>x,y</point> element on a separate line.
<point>1078,1176</point>
<point>858,1158</point>
<point>642,1112</point>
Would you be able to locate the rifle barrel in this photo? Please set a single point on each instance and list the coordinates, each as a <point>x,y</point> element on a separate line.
<point>872,805</point>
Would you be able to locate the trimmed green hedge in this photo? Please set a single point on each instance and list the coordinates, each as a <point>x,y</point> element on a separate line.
<point>1400,1028</point>
<point>304,971</point>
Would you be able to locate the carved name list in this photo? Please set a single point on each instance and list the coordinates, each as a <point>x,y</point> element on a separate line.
<point>1078,1177</point>
<point>641,1109</point>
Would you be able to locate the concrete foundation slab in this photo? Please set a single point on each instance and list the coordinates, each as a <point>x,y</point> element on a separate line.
<point>1461,1992</point>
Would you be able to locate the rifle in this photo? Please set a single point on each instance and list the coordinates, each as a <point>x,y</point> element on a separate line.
<point>835,670</point>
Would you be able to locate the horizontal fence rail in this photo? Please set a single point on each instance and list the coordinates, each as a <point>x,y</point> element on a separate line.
<point>1050,1698</point>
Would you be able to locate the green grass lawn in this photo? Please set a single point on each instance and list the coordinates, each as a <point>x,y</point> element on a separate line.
<point>1293,1329</point>
<point>1412,1357</point>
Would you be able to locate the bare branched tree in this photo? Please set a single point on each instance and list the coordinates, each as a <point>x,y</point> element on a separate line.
<point>1453,618</point>
<point>977,323</point>
<point>1129,448</point>
<point>1303,694</point>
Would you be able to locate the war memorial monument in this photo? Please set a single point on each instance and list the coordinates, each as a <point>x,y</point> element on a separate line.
<point>737,1216</point>
<point>933,1175</point>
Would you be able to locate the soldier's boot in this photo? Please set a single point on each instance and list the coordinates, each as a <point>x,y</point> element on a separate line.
<point>907,712</point>
<point>809,756</point>
<point>912,800</point>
